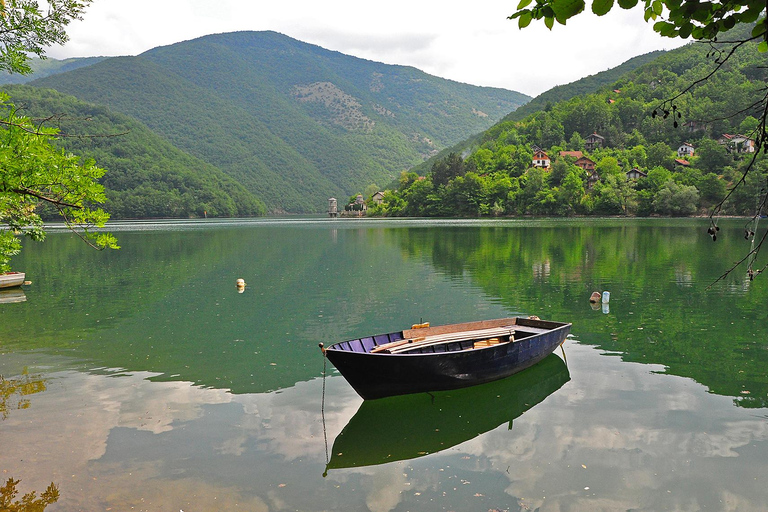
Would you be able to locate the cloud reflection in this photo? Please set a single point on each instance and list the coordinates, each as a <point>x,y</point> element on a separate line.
<point>617,436</point>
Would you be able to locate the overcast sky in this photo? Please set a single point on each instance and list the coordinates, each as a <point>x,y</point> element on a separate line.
<point>470,42</point>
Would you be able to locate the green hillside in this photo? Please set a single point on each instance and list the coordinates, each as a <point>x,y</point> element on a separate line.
<point>583,86</point>
<point>638,129</point>
<point>292,122</point>
<point>586,85</point>
<point>147,176</point>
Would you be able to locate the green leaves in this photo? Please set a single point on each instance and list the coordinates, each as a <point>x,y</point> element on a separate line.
<point>627,4</point>
<point>549,11</point>
<point>35,173</point>
<point>602,7</point>
<point>565,9</point>
<point>27,29</point>
<point>525,20</point>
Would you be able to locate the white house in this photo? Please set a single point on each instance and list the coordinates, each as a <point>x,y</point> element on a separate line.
<point>686,149</point>
<point>541,159</point>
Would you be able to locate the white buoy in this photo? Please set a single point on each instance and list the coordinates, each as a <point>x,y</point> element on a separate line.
<point>240,285</point>
<point>606,297</point>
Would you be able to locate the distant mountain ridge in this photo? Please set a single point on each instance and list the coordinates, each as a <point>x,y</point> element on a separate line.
<point>293,122</point>
<point>42,68</point>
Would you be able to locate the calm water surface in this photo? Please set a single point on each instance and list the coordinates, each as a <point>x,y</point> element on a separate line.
<point>140,379</point>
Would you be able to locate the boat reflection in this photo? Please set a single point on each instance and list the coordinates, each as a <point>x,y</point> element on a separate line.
<point>12,295</point>
<point>410,426</point>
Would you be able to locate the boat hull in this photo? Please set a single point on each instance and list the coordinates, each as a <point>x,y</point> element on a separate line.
<point>11,279</point>
<point>378,375</point>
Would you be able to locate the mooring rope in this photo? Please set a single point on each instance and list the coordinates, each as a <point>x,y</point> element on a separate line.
<point>322,413</point>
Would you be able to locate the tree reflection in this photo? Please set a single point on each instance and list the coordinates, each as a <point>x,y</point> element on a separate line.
<point>29,502</point>
<point>13,391</point>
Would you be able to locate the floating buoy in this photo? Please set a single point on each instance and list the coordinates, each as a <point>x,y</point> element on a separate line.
<point>606,297</point>
<point>594,298</point>
<point>240,285</point>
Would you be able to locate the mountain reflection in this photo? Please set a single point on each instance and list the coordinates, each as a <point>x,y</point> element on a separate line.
<point>411,426</point>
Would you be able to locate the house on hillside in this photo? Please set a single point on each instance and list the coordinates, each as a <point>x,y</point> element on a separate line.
<point>685,150</point>
<point>573,154</point>
<point>680,161</point>
<point>593,142</point>
<point>541,159</point>
<point>585,163</point>
<point>737,143</point>
<point>635,174</point>
<point>378,197</point>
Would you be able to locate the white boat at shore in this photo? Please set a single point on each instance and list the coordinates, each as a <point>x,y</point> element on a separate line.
<point>11,279</point>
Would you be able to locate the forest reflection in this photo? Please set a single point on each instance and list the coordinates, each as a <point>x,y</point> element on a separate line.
<point>14,391</point>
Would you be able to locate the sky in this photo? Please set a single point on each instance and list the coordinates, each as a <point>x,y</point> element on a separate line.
<point>470,42</point>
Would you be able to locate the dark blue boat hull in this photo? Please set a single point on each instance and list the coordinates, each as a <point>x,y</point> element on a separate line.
<point>380,375</point>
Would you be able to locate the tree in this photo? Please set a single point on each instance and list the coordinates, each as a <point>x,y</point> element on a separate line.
<point>711,156</point>
<point>447,169</point>
<point>29,502</point>
<point>34,174</point>
<point>677,200</point>
<point>26,28</point>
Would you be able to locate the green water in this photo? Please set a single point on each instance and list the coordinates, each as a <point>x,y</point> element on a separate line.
<point>140,379</point>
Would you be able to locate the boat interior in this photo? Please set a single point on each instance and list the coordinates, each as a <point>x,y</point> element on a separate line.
<point>469,336</point>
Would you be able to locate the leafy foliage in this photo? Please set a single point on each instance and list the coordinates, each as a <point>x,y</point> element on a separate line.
<point>35,171</point>
<point>27,29</point>
<point>673,18</point>
<point>29,502</point>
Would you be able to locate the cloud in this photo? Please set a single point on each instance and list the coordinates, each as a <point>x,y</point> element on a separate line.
<point>476,45</point>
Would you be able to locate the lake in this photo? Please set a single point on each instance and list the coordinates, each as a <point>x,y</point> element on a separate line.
<point>141,379</point>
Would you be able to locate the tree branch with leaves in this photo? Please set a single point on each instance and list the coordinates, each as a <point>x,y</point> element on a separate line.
<point>33,171</point>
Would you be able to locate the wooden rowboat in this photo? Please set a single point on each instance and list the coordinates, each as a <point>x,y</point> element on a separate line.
<point>444,357</point>
<point>11,279</point>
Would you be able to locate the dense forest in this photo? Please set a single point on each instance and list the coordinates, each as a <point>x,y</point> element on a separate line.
<point>639,166</point>
<point>147,176</point>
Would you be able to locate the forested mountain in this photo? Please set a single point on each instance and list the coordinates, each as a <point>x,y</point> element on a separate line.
<point>587,85</point>
<point>42,68</point>
<point>293,122</point>
<point>639,163</point>
<point>545,100</point>
<point>147,176</point>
